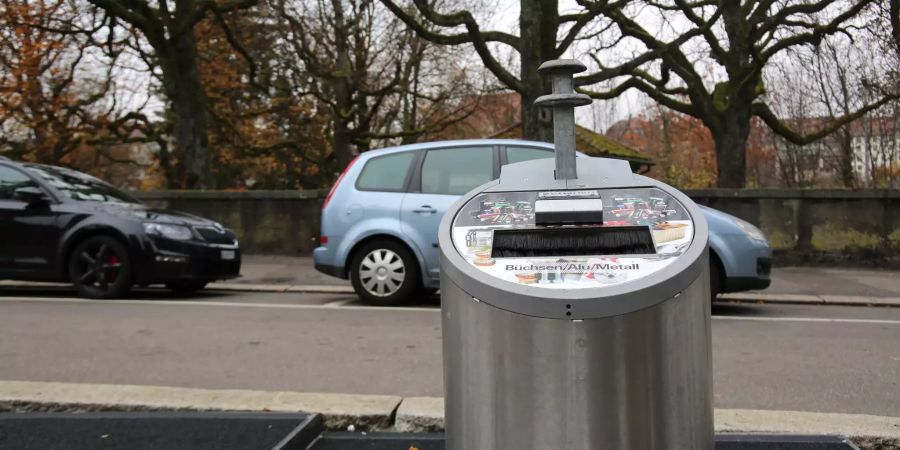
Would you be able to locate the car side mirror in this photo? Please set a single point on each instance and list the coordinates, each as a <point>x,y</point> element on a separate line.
<point>31,195</point>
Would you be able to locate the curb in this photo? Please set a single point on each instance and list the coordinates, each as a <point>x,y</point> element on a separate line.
<point>338,411</point>
<point>805,299</point>
<point>236,287</point>
<point>303,288</point>
<point>427,414</point>
<point>385,412</point>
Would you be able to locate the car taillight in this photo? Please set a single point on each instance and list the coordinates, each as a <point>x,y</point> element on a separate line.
<point>323,240</point>
<point>337,182</point>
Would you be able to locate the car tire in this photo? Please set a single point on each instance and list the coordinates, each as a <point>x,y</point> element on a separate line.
<point>385,273</point>
<point>186,287</point>
<point>99,267</point>
<point>715,279</point>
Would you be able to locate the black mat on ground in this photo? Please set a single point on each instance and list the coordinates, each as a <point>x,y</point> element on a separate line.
<point>379,441</point>
<point>435,441</point>
<point>158,430</point>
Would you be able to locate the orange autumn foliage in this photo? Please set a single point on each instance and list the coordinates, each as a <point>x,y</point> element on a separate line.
<point>47,111</point>
<point>260,138</point>
<point>681,147</point>
<point>684,151</point>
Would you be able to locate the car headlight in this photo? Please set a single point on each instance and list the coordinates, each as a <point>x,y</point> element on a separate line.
<point>176,232</point>
<point>748,228</point>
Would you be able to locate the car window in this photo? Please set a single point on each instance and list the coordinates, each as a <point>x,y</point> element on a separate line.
<point>12,179</point>
<point>519,154</point>
<point>385,173</point>
<point>456,171</point>
<point>80,186</point>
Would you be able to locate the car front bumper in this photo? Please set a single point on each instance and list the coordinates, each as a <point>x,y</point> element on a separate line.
<point>163,260</point>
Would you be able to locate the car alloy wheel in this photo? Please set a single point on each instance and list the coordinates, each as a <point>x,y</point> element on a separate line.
<point>385,273</point>
<point>99,268</point>
<point>382,272</point>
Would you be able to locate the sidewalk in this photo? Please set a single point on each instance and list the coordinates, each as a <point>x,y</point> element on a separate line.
<point>792,281</point>
<point>805,285</point>
<point>382,412</point>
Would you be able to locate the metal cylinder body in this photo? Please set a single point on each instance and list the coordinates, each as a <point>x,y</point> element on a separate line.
<point>641,380</point>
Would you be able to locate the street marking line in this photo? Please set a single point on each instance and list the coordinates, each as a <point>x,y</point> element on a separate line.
<point>734,297</point>
<point>810,319</point>
<point>342,305</point>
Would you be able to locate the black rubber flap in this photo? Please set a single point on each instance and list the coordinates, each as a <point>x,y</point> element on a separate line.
<point>158,430</point>
<point>379,441</point>
<point>572,241</point>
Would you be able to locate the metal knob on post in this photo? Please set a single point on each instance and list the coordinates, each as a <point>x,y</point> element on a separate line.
<point>563,100</point>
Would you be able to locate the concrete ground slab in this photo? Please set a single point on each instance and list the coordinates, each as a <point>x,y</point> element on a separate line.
<point>420,414</point>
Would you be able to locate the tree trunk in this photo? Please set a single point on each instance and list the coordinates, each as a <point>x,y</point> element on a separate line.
<point>538,25</point>
<point>845,143</point>
<point>342,139</point>
<point>731,149</point>
<point>181,82</point>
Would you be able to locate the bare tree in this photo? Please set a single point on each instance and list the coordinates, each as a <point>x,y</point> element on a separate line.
<point>372,74</point>
<point>740,38</point>
<point>167,26</point>
<point>544,34</point>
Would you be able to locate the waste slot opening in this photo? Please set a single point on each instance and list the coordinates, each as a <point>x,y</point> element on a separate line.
<point>573,241</point>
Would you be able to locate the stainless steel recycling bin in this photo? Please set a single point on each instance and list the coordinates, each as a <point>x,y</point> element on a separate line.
<point>576,312</point>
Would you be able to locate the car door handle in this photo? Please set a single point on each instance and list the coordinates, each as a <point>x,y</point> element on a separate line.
<point>425,209</point>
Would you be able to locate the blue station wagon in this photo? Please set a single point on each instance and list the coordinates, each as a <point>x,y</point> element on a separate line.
<point>380,220</point>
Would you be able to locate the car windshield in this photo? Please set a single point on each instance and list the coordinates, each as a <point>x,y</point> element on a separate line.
<point>80,186</point>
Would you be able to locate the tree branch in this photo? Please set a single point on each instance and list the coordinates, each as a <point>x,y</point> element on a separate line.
<point>815,37</point>
<point>763,111</point>
<point>646,88</point>
<point>472,35</point>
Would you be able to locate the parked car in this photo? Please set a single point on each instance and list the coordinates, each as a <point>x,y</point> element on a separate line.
<point>380,220</point>
<point>57,224</point>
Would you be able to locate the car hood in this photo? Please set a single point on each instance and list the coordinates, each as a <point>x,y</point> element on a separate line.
<point>710,212</point>
<point>146,213</point>
<point>720,222</point>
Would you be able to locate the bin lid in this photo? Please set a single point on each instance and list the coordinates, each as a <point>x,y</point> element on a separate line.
<point>608,237</point>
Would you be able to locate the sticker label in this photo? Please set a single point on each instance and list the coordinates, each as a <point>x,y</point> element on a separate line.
<point>670,225</point>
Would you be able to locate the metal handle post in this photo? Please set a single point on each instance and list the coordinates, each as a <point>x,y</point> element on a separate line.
<point>563,100</point>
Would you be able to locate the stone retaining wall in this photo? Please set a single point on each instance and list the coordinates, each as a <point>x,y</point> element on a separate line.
<point>803,226</point>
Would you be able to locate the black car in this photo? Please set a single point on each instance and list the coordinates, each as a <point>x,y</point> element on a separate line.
<point>57,224</point>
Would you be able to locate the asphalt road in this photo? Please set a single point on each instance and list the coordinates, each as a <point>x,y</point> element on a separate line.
<point>784,357</point>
